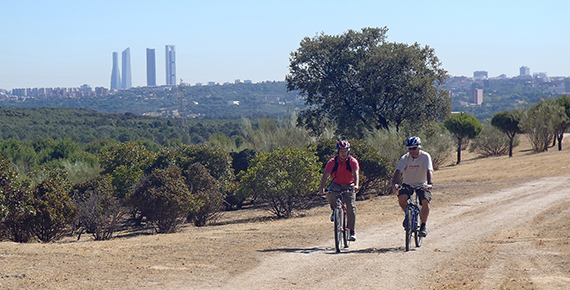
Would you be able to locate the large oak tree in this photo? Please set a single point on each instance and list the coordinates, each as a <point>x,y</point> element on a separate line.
<point>358,81</point>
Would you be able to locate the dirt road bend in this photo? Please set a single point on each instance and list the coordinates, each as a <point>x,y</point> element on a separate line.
<point>485,242</point>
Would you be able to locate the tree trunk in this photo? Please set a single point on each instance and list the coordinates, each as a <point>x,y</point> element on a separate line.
<point>511,146</point>
<point>459,150</point>
<point>560,137</point>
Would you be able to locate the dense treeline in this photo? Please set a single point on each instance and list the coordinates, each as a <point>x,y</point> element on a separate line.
<point>84,126</point>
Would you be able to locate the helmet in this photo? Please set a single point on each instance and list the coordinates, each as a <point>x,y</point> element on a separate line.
<point>343,144</point>
<point>414,141</point>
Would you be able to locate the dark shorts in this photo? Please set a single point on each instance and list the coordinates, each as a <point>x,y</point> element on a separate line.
<point>408,190</point>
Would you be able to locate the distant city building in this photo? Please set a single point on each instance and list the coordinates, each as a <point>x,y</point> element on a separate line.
<point>478,96</point>
<point>524,71</point>
<point>170,65</point>
<point>126,61</point>
<point>541,76</point>
<point>150,67</point>
<point>115,74</point>
<point>480,75</point>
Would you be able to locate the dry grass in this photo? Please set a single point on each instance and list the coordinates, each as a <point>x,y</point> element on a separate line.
<point>241,239</point>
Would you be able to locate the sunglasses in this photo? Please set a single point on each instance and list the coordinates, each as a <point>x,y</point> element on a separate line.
<point>412,148</point>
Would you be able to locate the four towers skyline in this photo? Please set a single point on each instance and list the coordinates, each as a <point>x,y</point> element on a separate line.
<point>126,81</point>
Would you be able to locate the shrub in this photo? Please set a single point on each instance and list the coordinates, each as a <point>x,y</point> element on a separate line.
<point>204,190</point>
<point>55,211</point>
<point>282,177</point>
<point>16,206</point>
<point>163,198</point>
<point>98,210</point>
<point>491,142</point>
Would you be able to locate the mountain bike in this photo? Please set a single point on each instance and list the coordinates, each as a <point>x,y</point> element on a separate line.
<point>412,219</point>
<point>341,232</point>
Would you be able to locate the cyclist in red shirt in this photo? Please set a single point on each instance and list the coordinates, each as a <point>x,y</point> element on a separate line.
<point>343,169</point>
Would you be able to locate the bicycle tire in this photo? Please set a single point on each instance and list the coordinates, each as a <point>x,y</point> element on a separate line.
<point>409,228</point>
<point>346,232</point>
<point>418,239</point>
<point>338,229</point>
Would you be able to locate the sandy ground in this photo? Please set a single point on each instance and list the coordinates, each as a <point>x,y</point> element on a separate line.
<point>496,223</point>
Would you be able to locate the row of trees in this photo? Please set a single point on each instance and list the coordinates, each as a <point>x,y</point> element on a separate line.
<point>544,123</point>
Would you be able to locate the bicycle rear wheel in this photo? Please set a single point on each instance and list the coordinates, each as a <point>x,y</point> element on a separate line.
<point>409,228</point>
<point>337,229</point>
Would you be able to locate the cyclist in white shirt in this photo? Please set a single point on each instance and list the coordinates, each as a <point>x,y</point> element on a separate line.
<point>417,170</point>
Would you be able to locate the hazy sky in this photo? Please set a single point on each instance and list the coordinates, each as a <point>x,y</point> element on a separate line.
<point>69,43</point>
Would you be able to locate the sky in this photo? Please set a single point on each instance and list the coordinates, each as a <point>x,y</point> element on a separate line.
<point>61,43</point>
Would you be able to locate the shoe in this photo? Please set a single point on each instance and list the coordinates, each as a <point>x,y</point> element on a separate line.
<point>352,236</point>
<point>423,231</point>
<point>332,217</point>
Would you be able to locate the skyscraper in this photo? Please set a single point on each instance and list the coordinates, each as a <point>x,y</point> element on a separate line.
<point>115,74</point>
<point>170,65</point>
<point>126,83</point>
<point>150,67</point>
<point>524,71</point>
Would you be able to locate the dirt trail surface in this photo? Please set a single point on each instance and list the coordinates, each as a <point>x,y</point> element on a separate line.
<point>495,223</point>
<point>378,260</point>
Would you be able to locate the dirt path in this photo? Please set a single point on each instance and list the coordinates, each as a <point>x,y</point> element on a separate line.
<point>476,243</point>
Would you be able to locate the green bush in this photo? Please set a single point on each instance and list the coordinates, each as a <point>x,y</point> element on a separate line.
<point>206,194</point>
<point>55,211</point>
<point>491,141</point>
<point>16,206</point>
<point>282,177</point>
<point>163,198</point>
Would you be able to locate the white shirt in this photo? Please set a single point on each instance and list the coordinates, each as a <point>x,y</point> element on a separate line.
<point>415,169</point>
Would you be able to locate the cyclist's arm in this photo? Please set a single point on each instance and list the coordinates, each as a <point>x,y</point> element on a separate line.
<point>429,180</point>
<point>323,182</point>
<point>356,174</point>
<point>396,179</point>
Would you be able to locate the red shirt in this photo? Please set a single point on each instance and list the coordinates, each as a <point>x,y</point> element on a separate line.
<point>342,175</point>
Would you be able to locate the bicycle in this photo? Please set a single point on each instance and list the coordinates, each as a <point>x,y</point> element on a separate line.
<point>341,231</point>
<point>412,219</point>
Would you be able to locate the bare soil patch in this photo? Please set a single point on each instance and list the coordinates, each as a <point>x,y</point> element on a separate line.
<point>496,223</point>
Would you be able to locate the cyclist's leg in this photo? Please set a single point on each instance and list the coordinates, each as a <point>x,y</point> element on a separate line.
<point>349,199</point>
<point>331,196</point>
<point>425,199</point>
<point>404,195</point>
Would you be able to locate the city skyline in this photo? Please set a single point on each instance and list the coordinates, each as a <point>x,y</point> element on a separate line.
<point>226,40</point>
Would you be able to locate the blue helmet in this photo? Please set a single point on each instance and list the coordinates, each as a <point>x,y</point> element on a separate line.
<point>414,141</point>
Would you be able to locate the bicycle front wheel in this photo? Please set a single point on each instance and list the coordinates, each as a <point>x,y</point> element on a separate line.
<point>417,236</point>
<point>346,232</point>
<point>338,231</point>
<point>409,228</point>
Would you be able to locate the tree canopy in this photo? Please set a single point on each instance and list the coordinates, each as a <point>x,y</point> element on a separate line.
<point>358,81</point>
<point>463,126</point>
<point>508,122</point>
